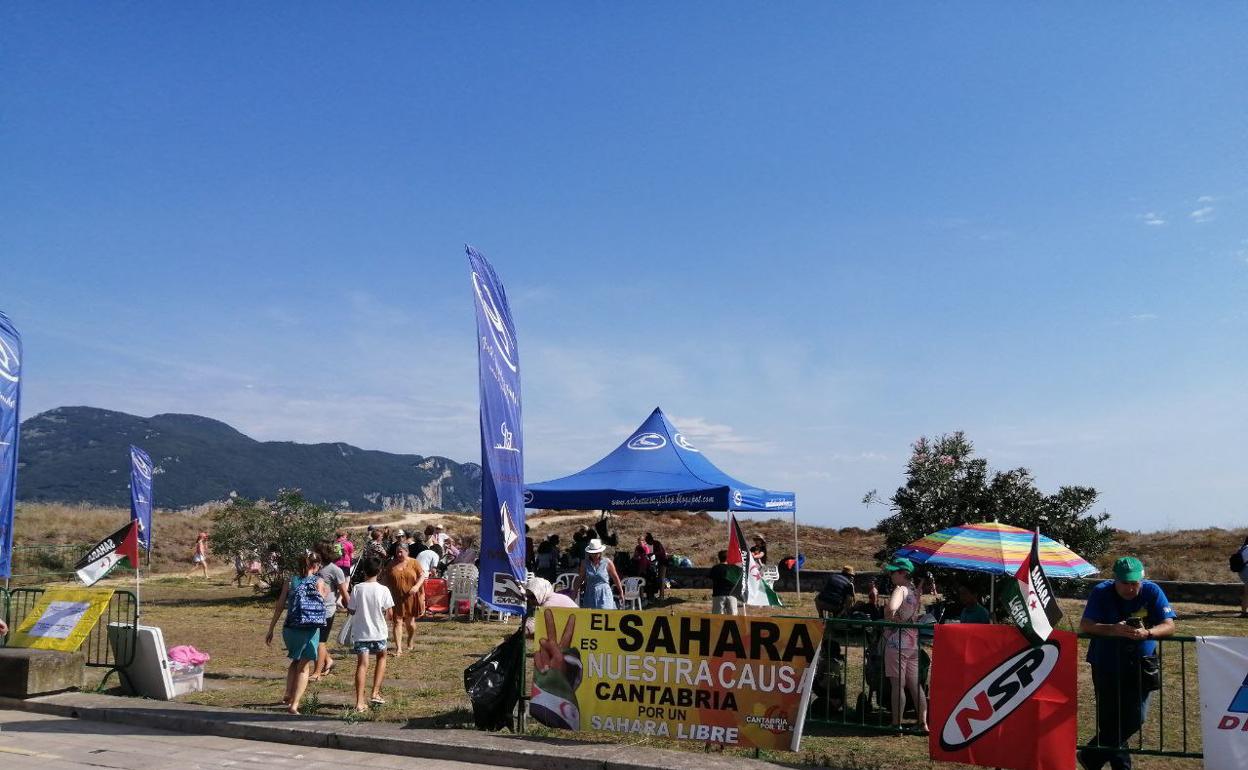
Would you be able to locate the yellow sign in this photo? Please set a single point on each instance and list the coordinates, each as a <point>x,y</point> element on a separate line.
<point>732,680</point>
<point>61,619</point>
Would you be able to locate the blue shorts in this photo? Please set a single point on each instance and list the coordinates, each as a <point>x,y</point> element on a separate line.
<point>363,648</point>
<point>301,642</point>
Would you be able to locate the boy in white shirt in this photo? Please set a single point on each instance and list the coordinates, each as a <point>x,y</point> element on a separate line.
<point>371,609</point>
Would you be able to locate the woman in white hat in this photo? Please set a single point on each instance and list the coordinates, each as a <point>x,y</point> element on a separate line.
<point>596,576</point>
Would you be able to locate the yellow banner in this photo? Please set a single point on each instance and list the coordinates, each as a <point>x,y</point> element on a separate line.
<point>726,679</point>
<point>61,619</point>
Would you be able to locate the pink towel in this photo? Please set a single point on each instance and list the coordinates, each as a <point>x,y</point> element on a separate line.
<point>188,655</point>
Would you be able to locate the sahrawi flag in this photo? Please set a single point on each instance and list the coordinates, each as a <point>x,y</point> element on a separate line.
<point>751,589</point>
<point>108,553</point>
<point>1030,599</point>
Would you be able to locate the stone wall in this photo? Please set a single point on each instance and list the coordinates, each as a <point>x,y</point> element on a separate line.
<point>1225,594</point>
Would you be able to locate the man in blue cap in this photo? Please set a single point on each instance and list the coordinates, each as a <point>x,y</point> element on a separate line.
<point>1126,615</point>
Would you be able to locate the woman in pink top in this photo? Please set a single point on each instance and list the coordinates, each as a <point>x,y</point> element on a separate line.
<point>348,551</point>
<point>901,645</point>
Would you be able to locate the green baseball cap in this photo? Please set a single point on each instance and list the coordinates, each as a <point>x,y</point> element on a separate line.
<point>1129,569</point>
<point>899,563</point>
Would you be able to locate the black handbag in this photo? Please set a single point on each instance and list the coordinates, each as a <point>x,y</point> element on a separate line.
<point>1149,673</point>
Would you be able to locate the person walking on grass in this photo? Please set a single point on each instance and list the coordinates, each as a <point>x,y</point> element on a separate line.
<point>336,580</point>
<point>901,645</point>
<point>1126,615</point>
<point>406,580</point>
<point>596,577</point>
<point>199,556</point>
<point>1243,577</point>
<point>303,599</point>
<point>348,551</point>
<point>372,608</point>
<point>725,586</point>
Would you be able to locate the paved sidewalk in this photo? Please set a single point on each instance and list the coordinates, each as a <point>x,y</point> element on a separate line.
<point>379,737</point>
<point>31,741</point>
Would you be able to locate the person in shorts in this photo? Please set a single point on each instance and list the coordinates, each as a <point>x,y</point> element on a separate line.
<point>303,599</point>
<point>371,607</point>
<point>725,586</point>
<point>336,580</point>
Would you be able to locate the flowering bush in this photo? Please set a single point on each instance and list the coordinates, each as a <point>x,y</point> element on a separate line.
<point>946,485</point>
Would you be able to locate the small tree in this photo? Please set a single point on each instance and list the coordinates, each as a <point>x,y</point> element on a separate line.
<point>290,523</point>
<point>946,486</point>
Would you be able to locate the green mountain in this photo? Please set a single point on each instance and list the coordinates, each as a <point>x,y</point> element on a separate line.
<point>81,454</point>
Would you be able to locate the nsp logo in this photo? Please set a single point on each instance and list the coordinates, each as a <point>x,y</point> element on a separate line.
<point>1239,706</point>
<point>998,694</point>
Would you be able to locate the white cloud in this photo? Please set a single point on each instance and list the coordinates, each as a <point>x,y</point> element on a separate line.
<point>1202,214</point>
<point>1206,199</point>
<point>1143,316</point>
<point>1152,218</point>
<point>716,437</point>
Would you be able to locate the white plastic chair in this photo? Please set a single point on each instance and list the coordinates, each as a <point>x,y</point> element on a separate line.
<point>565,581</point>
<point>632,593</point>
<point>771,574</point>
<point>463,587</point>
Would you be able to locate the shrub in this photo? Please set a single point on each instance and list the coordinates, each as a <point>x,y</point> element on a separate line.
<point>290,523</point>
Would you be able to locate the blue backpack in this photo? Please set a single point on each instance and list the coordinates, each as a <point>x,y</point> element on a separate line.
<point>305,607</point>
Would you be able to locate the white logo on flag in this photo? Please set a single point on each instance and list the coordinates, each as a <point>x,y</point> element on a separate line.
<point>10,364</point>
<point>507,590</point>
<point>503,342</point>
<point>509,531</point>
<point>646,441</point>
<point>141,465</point>
<point>506,444</point>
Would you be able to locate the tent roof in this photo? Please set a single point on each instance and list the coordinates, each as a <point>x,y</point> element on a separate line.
<point>656,468</point>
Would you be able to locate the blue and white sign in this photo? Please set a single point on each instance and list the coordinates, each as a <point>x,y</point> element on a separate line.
<point>141,494</point>
<point>10,428</point>
<point>502,443</point>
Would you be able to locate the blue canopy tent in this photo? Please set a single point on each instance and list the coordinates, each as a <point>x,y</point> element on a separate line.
<point>658,469</point>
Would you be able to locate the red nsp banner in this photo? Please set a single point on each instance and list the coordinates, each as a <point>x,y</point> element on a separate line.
<point>999,701</point>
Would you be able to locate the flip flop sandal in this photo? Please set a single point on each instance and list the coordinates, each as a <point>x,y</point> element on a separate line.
<point>377,701</point>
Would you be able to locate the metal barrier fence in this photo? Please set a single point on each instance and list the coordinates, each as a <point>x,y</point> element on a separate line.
<point>37,563</point>
<point>852,689</point>
<point>122,612</point>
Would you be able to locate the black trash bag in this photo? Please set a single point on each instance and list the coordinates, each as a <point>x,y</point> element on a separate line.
<point>493,683</point>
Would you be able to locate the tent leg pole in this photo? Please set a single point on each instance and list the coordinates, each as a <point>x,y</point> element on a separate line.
<point>797,559</point>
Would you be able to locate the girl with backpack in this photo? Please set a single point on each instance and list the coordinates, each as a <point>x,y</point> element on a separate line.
<point>303,598</point>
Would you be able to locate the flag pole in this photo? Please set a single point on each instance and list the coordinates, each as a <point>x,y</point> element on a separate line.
<point>797,558</point>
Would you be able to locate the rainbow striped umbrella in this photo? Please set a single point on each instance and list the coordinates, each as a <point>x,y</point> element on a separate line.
<point>996,548</point>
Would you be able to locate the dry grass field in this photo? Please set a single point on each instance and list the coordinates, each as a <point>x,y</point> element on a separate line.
<point>1173,555</point>
<point>425,687</point>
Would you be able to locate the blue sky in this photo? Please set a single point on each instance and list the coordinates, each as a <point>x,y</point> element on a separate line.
<point>810,232</point>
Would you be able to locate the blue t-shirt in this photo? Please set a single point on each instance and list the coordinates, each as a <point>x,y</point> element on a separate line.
<point>974,614</point>
<point>1106,606</point>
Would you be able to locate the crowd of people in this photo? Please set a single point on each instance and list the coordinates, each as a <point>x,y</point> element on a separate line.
<point>380,586</point>
<point>381,591</point>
